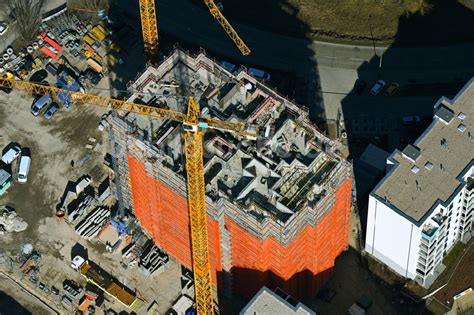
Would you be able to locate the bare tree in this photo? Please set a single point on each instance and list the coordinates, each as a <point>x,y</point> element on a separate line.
<point>28,18</point>
<point>88,5</point>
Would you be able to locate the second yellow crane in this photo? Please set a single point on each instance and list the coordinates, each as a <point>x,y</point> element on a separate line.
<point>150,26</point>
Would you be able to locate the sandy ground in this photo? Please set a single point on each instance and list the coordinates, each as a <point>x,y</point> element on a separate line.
<point>53,145</point>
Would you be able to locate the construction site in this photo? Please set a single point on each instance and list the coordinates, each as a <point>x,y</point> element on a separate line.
<point>278,206</point>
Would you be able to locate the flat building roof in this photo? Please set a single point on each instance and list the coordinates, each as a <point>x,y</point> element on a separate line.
<point>429,171</point>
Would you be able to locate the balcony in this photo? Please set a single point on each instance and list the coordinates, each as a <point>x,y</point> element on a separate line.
<point>429,232</point>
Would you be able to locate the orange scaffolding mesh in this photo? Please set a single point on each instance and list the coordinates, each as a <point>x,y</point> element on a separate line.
<point>300,268</point>
<point>164,214</point>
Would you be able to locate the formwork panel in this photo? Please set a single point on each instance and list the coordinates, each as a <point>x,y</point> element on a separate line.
<point>164,214</point>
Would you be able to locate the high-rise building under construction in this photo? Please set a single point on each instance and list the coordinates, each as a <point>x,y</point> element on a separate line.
<point>278,207</point>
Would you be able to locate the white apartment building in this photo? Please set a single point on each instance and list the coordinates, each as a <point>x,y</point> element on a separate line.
<point>425,202</point>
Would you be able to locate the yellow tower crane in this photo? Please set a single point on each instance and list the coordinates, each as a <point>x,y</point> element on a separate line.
<point>193,130</point>
<point>150,27</point>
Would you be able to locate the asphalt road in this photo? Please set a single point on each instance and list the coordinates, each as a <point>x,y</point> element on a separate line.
<point>333,67</point>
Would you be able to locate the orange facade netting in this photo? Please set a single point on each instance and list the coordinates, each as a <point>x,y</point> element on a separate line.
<point>164,214</point>
<point>300,268</point>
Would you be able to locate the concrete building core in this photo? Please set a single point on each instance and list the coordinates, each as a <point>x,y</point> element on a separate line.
<point>278,207</point>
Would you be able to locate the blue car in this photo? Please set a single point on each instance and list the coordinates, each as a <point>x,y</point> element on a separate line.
<point>51,111</point>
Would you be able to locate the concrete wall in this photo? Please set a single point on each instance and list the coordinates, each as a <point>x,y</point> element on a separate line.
<point>392,239</point>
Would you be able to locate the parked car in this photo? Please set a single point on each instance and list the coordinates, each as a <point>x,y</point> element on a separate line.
<point>39,104</point>
<point>377,87</point>
<point>408,120</point>
<point>3,28</point>
<point>229,66</point>
<point>392,89</point>
<point>359,86</point>
<point>24,166</point>
<point>259,74</point>
<point>52,109</point>
<point>11,154</point>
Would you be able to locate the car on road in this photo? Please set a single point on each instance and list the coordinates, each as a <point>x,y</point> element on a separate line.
<point>377,87</point>
<point>11,154</point>
<point>408,120</point>
<point>359,86</point>
<point>40,104</point>
<point>259,74</point>
<point>3,28</point>
<point>52,109</point>
<point>392,89</point>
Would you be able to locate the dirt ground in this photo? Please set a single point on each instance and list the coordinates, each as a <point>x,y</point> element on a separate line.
<point>53,145</point>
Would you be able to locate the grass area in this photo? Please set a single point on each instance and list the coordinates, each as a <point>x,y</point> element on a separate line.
<point>358,20</point>
<point>437,308</point>
<point>454,255</point>
<point>458,275</point>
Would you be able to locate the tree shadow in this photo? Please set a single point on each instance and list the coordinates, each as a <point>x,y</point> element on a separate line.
<point>425,67</point>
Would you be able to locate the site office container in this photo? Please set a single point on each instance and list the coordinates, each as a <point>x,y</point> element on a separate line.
<point>88,39</point>
<point>98,33</point>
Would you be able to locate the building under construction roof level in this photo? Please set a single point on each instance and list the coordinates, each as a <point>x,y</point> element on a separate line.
<point>278,208</point>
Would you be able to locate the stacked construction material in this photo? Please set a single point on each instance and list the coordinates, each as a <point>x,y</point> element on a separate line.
<point>153,260</point>
<point>92,224</point>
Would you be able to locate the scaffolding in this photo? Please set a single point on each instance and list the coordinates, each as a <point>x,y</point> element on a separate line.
<point>240,237</point>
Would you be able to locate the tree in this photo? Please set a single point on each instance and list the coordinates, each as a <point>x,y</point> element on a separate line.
<point>89,5</point>
<point>28,18</point>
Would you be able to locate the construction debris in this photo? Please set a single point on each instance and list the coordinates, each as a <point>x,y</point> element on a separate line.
<point>10,221</point>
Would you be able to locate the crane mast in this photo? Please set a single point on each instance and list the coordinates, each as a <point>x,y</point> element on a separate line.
<point>149,26</point>
<point>197,211</point>
<point>217,14</point>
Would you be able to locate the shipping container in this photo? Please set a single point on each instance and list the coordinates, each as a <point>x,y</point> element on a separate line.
<point>94,64</point>
<point>89,40</point>
<point>98,33</point>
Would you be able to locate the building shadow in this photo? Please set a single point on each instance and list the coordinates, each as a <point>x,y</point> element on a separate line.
<point>302,286</point>
<point>429,58</point>
<point>10,304</point>
<point>290,61</point>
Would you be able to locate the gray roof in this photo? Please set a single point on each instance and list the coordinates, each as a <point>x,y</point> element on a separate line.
<point>412,152</point>
<point>445,152</point>
<point>269,302</point>
<point>444,113</point>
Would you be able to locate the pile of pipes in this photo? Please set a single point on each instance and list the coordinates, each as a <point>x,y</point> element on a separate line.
<point>153,260</point>
<point>90,227</point>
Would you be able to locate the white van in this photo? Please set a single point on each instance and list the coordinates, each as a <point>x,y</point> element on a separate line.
<point>11,154</point>
<point>24,168</point>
